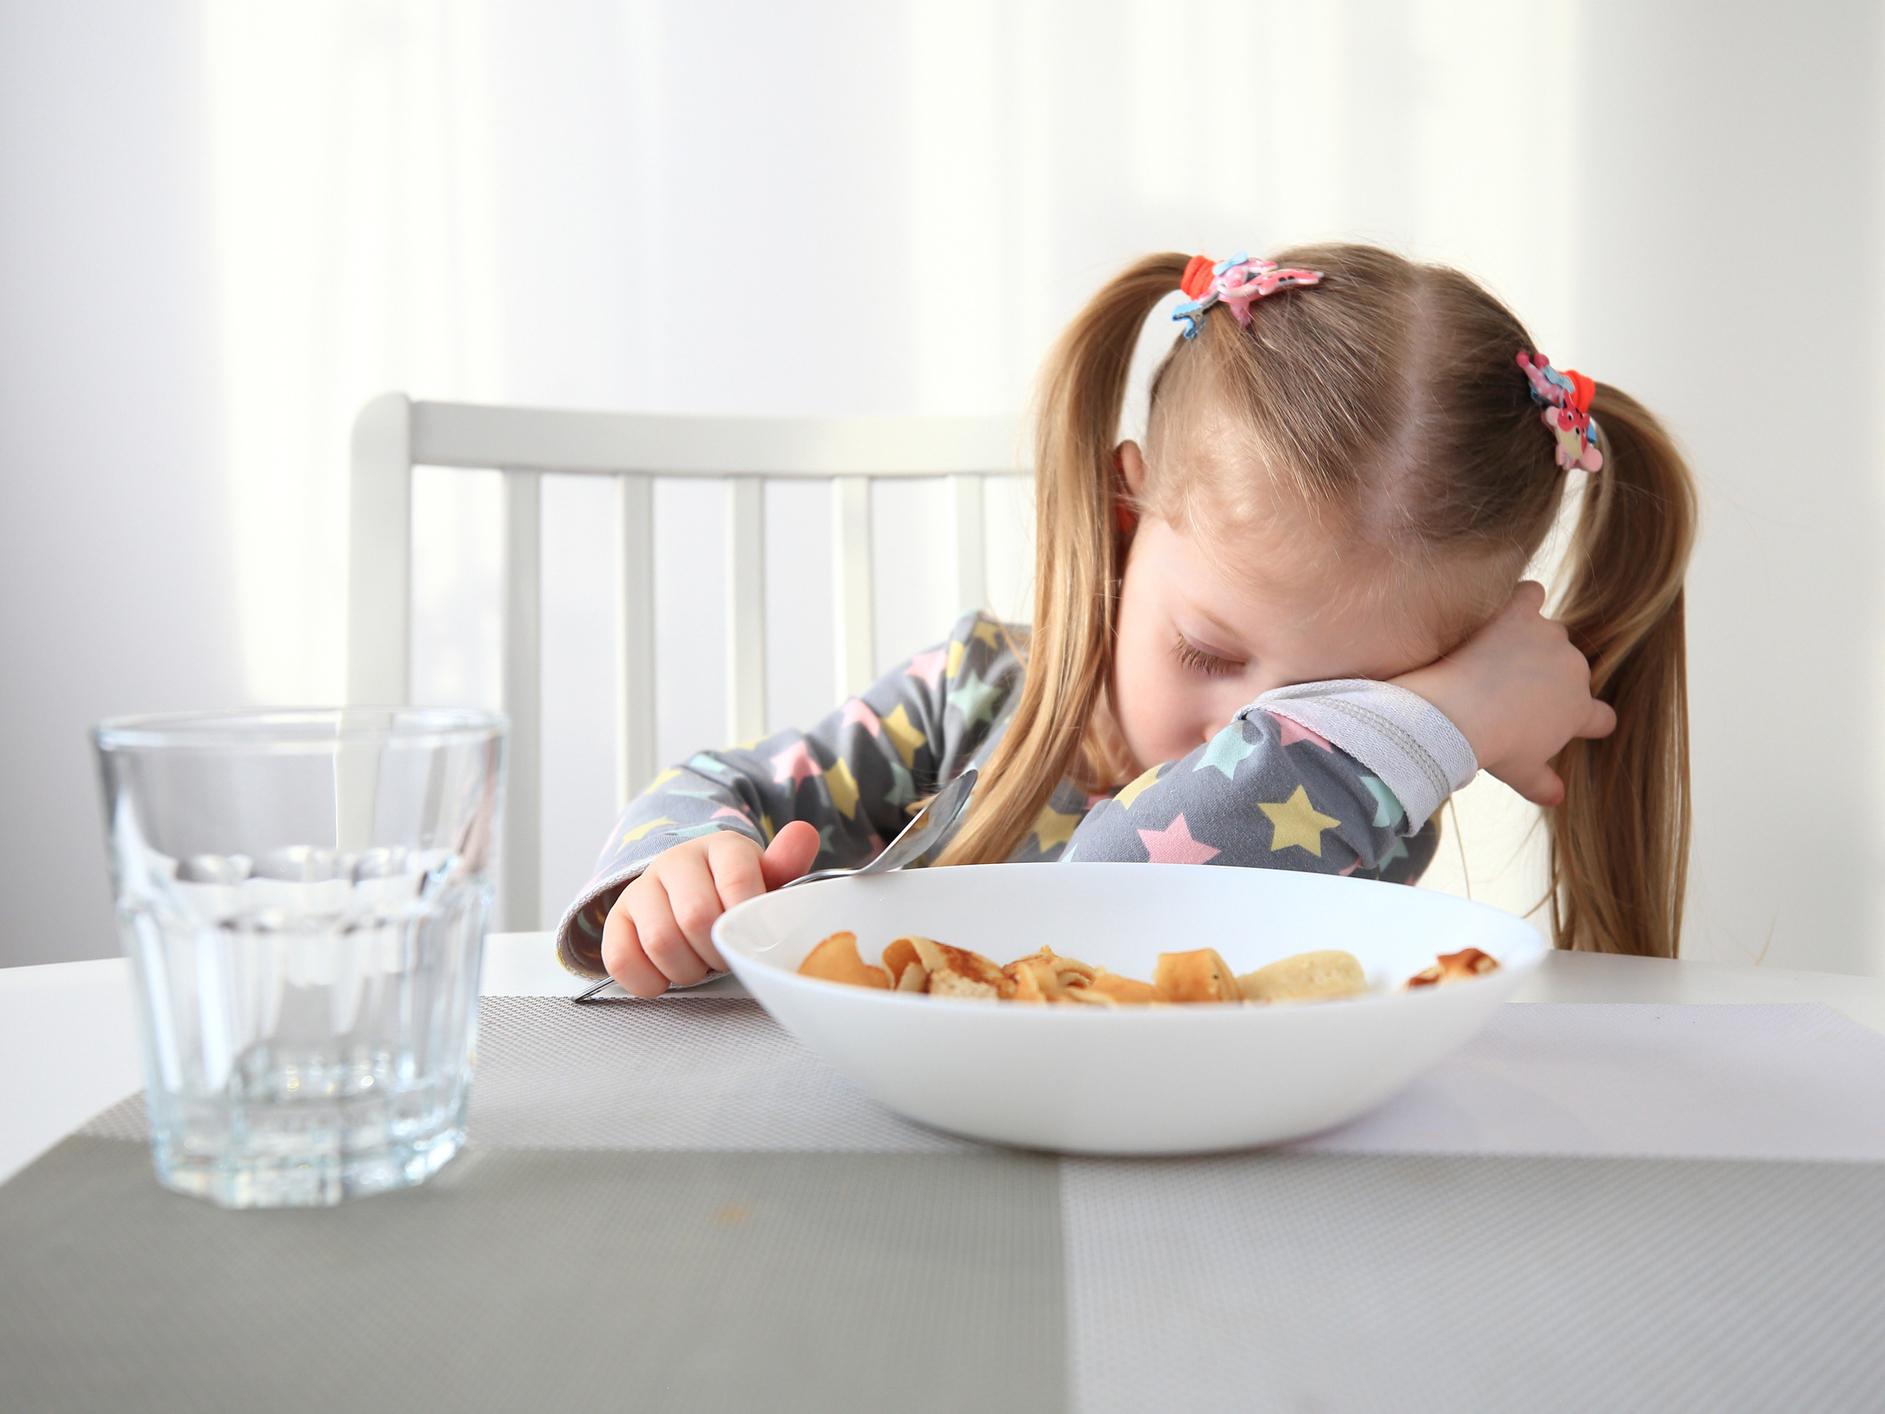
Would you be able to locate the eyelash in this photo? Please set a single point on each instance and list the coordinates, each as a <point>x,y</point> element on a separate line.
<point>1201,662</point>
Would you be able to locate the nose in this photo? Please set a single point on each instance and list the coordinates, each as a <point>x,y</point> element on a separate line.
<point>1222,711</point>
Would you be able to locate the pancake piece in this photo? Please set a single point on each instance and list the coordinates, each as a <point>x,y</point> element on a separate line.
<point>1126,990</point>
<point>835,959</point>
<point>957,972</point>
<point>1304,977</point>
<point>1197,976</point>
<point>899,958</point>
<point>1454,967</point>
<point>1045,976</point>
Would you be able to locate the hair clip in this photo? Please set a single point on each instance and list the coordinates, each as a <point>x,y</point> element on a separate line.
<point>1234,282</point>
<point>1565,398</point>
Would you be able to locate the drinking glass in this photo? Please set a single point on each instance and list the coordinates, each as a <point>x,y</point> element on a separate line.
<point>303,895</point>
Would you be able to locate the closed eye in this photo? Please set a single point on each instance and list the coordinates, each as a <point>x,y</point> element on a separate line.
<point>1199,661</point>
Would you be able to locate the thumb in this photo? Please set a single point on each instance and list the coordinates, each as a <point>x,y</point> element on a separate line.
<point>790,854</point>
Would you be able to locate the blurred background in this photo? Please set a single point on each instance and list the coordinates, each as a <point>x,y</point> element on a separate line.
<point>225,225</point>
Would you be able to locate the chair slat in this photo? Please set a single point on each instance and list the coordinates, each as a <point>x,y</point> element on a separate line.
<point>379,597</point>
<point>379,554</point>
<point>523,699</point>
<point>746,608</point>
<point>852,592</point>
<point>635,642</point>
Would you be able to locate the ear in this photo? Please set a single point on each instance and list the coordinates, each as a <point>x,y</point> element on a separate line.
<point>1131,464</point>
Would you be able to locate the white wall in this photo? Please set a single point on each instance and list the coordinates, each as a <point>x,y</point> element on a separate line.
<point>224,226</point>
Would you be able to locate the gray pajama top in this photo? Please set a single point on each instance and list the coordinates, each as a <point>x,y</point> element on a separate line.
<point>1337,777</point>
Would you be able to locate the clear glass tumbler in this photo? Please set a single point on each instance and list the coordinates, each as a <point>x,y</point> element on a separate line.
<point>303,895</point>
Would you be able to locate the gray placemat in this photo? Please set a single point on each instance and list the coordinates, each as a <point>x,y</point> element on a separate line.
<point>1462,1283</point>
<point>526,1279</point>
<point>674,1206</point>
<point>684,1072</point>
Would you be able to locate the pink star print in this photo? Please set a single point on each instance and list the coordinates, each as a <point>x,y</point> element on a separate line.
<point>859,711</point>
<point>1351,866</point>
<point>928,666</point>
<point>1296,731</point>
<point>728,810</point>
<point>793,764</point>
<point>1174,845</point>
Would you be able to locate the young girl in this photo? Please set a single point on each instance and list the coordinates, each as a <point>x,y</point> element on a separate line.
<point>1279,634</point>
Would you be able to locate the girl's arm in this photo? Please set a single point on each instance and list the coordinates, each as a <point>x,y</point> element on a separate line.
<point>1333,777</point>
<point>1340,777</point>
<point>851,775</point>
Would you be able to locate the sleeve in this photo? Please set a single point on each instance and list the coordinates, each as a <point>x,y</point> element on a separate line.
<point>852,775</point>
<point>1338,778</point>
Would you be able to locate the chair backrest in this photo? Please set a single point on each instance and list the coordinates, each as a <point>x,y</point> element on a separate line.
<point>393,434</point>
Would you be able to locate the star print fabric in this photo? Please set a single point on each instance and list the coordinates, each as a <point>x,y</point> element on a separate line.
<point>1274,789</point>
<point>1265,792</point>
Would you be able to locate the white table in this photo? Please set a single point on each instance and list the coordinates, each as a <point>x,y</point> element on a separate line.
<point>68,1043</point>
<point>682,1178</point>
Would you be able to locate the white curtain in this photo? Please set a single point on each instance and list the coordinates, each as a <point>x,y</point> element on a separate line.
<point>229,224</point>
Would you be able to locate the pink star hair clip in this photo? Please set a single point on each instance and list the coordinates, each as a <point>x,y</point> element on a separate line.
<point>1234,282</point>
<point>1565,398</point>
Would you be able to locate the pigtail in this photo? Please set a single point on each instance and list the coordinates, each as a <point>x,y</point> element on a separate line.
<point>1079,559</point>
<point>1620,839</point>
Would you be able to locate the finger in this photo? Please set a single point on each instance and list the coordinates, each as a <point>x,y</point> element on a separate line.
<point>694,901</point>
<point>1541,787</point>
<point>1602,720</point>
<point>735,863</point>
<point>1529,596</point>
<point>790,854</point>
<point>623,957</point>
<point>661,937</point>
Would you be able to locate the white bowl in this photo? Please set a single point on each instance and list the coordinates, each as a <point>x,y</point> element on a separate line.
<point>1131,1080</point>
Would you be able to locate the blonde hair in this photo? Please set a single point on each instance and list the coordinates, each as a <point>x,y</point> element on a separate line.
<point>1387,403</point>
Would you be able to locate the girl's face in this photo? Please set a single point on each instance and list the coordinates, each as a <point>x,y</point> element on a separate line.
<point>1203,633</point>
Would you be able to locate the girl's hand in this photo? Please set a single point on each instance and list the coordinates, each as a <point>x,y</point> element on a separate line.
<point>1518,691</point>
<point>658,932</point>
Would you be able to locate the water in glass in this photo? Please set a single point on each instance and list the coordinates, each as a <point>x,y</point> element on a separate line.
<point>304,899</point>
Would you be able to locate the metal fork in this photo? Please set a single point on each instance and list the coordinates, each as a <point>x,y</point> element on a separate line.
<point>913,842</point>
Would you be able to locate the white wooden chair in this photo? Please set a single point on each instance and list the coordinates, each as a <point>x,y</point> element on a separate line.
<point>393,434</point>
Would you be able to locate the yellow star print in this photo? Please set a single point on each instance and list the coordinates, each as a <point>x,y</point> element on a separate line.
<point>988,633</point>
<point>843,787</point>
<point>630,836</point>
<point>661,780</point>
<point>1054,827</point>
<point>1136,789</point>
<point>955,659</point>
<point>1297,822</point>
<point>904,733</point>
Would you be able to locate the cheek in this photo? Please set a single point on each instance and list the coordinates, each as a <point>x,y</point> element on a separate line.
<point>1161,710</point>
<point>1141,685</point>
<point>1162,707</point>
